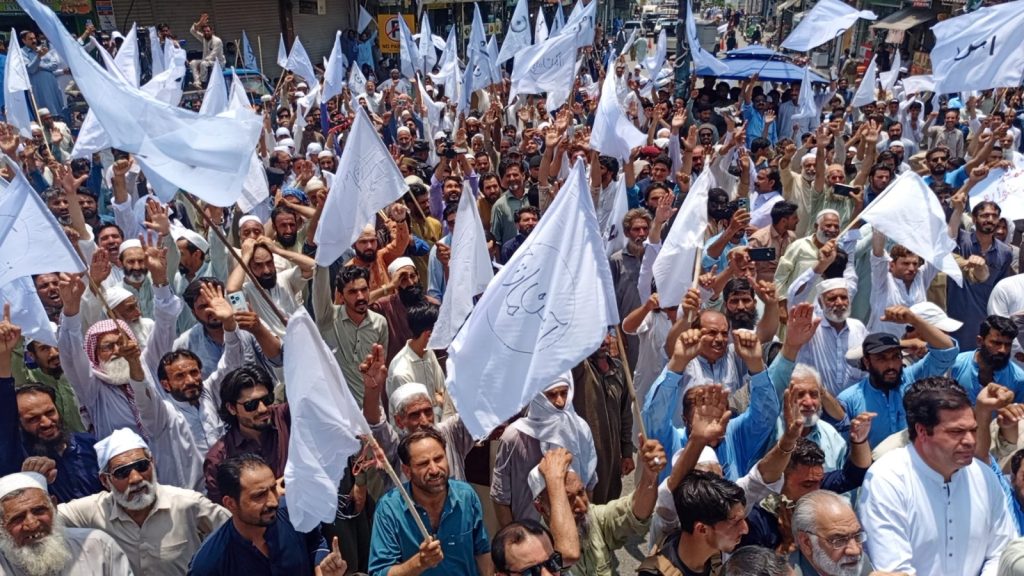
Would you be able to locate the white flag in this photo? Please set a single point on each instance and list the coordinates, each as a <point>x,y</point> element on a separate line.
<point>614,206</point>
<point>448,67</point>
<point>806,107</point>
<point>613,134</point>
<point>91,137</point>
<point>549,68</point>
<point>517,36</point>
<point>16,83</point>
<point>580,24</point>
<point>356,84</point>
<point>366,181</point>
<point>701,57</point>
<point>1005,188</point>
<point>282,53</point>
<point>827,20</point>
<point>888,79</point>
<point>299,63</point>
<point>674,266</point>
<point>365,19</point>
<point>409,54</point>
<point>428,54</point>
<point>176,148</point>
<point>540,28</point>
<point>654,62</point>
<point>909,213</point>
<point>980,50</point>
<point>31,240</point>
<point>492,60</point>
<point>469,272</point>
<point>546,310</point>
<point>866,91</point>
<point>477,36</point>
<point>255,189</point>
<point>127,57</point>
<point>918,84</point>
<point>334,71</point>
<point>326,425</point>
<point>27,310</point>
<point>248,55</point>
<point>559,22</point>
<point>157,58</point>
<point>215,100</point>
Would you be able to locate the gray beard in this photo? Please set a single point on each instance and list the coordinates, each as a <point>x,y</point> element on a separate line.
<point>45,557</point>
<point>138,502</point>
<point>826,565</point>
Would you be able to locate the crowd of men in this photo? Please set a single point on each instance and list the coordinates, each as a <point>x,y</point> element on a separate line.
<point>823,401</point>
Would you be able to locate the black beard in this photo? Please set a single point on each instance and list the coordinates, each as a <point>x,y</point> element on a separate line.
<point>994,361</point>
<point>287,241</point>
<point>367,256</point>
<point>267,282</point>
<point>89,214</point>
<point>878,382</point>
<point>411,296</point>
<point>51,449</point>
<point>742,319</point>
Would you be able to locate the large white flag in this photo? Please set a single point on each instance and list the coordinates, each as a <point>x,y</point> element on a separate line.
<point>546,310</point>
<point>517,36</point>
<point>1005,188</point>
<point>701,57</point>
<point>282,53</point>
<point>909,213</point>
<point>326,425</point>
<point>980,50</point>
<point>409,53</point>
<point>888,79</point>
<point>157,58</point>
<point>469,273</point>
<point>365,19</point>
<point>559,21</point>
<point>367,180</point>
<point>549,68</point>
<point>865,93</point>
<point>654,62</point>
<point>27,310</point>
<point>918,84</point>
<point>215,100</point>
<point>91,137</point>
<point>675,264</point>
<point>255,189</point>
<point>806,107</point>
<point>614,206</point>
<point>827,20</point>
<point>613,134</point>
<point>334,71</point>
<point>540,28</point>
<point>248,55</point>
<point>31,240</point>
<point>428,53</point>
<point>448,67</point>
<point>299,63</point>
<point>127,57</point>
<point>580,24</point>
<point>16,83</point>
<point>176,148</point>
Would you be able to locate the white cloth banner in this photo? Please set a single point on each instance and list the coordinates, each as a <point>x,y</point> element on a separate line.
<point>448,67</point>
<point>334,71</point>
<point>248,54</point>
<point>549,68</point>
<point>470,271</point>
<point>299,63</point>
<point>909,213</point>
<point>16,83</point>
<point>559,21</point>
<point>175,148</point>
<point>866,90</point>
<point>156,52</point>
<point>614,206</point>
<point>701,57</point>
<point>580,24</point>
<point>980,50</point>
<point>428,54</point>
<point>674,266</point>
<point>255,189</point>
<point>127,57</point>
<point>806,107</point>
<point>366,181</point>
<point>517,36</point>
<point>408,52</point>
<point>827,20</point>
<point>1005,188</point>
<point>540,28</point>
<point>546,310</point>
<point>918,84</point>
<point>282,52</point>
<point>31,240</point>
<point>654,62</point>
<point>27,310</point>
<point>326,425</point>
<point>365,19</point>
<point>888,79</point>
<point>91,137</point>
<point>215,99</point>
<point>613,133</point>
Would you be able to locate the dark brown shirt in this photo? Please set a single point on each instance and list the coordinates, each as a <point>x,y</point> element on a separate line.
<point>272,447</point>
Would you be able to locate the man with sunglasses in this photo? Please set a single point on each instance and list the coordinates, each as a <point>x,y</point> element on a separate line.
<point>525,548</point>
<point>159,527</point>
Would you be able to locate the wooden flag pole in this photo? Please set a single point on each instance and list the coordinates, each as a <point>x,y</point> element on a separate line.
<point>401,489</point>
<point>259,46</point>
<point>637,413</point>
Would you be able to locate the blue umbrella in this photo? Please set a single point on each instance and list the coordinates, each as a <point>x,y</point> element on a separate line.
<point>768,70</point>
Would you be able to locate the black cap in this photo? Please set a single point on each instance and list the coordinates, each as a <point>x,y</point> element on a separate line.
<point>879,342</point>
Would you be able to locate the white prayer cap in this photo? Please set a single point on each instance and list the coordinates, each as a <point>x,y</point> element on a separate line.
<point>935,316</point>
<point>661,142</point>
<point>821,215</point>
<point>831,284</point>
<point>193,237</point>
<point>406,392</point>
<point>287,142</point>
<point>543,125</point>
<point>314,184</point>
<point>115,35</point>
<point>44,112</point>
<point>440,135</point>
<point>282,131</point>
<point>403,130</point>
<point>313,148</point>
<point>249,218</point>
<point>368,231</point>
<point>896,143</point>
<point>29,339</point>
<point>21,481</point>
<point>284,149</point>
<point>707,456</point>
<point>128,244</point>
<point>808,156</point>
<point>302,85</point>
<point>663,133</point>
<point>116,295</point>
<point>536,482</point>
<point>120,441</point>
<point>325,154</point>
<point>399,263</point>
<point>34,127</point>
<point>414,179</point>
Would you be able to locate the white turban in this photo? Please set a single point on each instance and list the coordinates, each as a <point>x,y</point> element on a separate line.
<point>400,263</point>
<point>831,284</point>
<point>403,130</point>
<point>128,244</point>
<point>249,218</point>
<point>406,392</point>
<point>21,481</point>
<point>193,237</point>
<point>821,215</point>
<point>808,156</point>
<point>116,295</point>
<point>120,441</point>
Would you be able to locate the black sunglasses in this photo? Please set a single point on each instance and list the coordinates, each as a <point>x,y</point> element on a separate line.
<point>123,472</point>
<point>253,404</point>
<point>553,564</point>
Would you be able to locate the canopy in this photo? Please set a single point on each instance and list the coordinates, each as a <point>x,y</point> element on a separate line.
<point>754,51</point>
<point>774,70</point>
<point>904,19</point>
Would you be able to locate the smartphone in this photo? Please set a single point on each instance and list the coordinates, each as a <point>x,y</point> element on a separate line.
<point>843,189</point>
<point>743,203</point>
<point>762,254</point>
<point>238,302</point>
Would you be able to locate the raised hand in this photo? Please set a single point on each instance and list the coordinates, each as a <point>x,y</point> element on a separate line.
<point>71,289</point>
<point>687,346</point>
<point>860,427</point>
<point>156,259</point>
<point>749,348</point>
<point>801,325</point>
<point>9,333</point>
<point>374,369</point>
<point>100,267</point>
<point>555,464</point>
<point>710,414</point>
<point>333,564</point>
<point>652,456</point>
<point>159,220</point>
<point>219,305</point>
<point>994,397</point>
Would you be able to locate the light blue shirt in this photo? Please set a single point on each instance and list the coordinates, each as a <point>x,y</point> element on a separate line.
<point>965,371</point>
<point>436,282</point>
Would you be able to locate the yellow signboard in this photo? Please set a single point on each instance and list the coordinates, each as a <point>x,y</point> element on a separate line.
<point>389,32</point>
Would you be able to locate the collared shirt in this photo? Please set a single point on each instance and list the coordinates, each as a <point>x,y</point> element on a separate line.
<point>887,291</point>
<point>503,216</point>
<point>768,237</point>
<point>761,208</point>
<point>826,352</point>
<point>916,522</point>
<point>970,302</point>
<point>272,446</point>
<point>863,397</point>
<point>460,530</point>
<point>965,371</point>
<point>174,530</point>
<point>799,256</point>
<point>612,525</point>
<point>291,552</point>
<point>92,553</point>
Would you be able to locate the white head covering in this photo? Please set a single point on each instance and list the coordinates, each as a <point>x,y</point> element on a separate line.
<point>21,481</point>
<point>821,215</point>
<point>399,263</point>
<point>314,148</point>
<point>806,157</point>
<point>403,130</point>
<point>119,442</point>
<point>44,112</point>
<point>127,244</point>
<point>564,428</point>
<point>707,456</point>
<point>282,132</point>
<point>325,154</point>
<point>249,218</point>
<point>193,237</point>
<point>831,284</point>
<point>116,294</point>
<point>405,392</point>
<point>935,316</point>
<point>314,183</point>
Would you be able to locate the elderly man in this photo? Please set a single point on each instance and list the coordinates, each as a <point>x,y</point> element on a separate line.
<point>213,50</point>
<point>33,541</point>
<point>812,400</point>
<point>828,536</point>
<point>802,253</point>
<point>833,338</point>
<point>160,526</point>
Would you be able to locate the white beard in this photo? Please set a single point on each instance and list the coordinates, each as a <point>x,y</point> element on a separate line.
<point>116,372</point>
<point>836,317</point>
<point>811,421</point>
<point>137,502</point>
<point>826,565</point>
<point>822,237</point>
<point>45,557</point>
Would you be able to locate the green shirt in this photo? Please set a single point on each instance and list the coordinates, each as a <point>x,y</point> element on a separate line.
<point>611,526</point>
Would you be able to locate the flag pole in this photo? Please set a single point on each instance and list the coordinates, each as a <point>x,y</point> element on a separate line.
<point>401,488</point>
<point>629,383</point>
<point>259,46</point>
<point>238,52</point>
<point>234,253</point>
<point>46,132</point>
